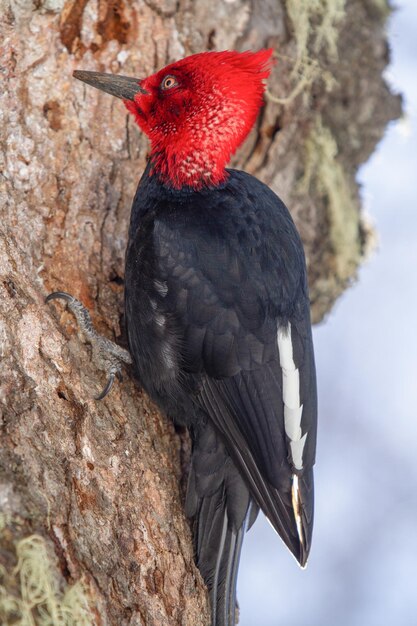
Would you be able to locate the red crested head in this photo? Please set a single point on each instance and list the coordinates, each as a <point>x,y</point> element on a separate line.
<point>197,111</point>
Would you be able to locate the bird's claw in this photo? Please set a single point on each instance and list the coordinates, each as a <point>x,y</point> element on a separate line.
<point>107,387</point>
<point>114,372</point>
<point>109,355</point>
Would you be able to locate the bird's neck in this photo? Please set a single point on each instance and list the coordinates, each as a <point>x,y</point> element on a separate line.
<point>187,164</point>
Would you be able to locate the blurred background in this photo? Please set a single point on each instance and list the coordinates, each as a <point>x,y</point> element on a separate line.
<point>362,568</point>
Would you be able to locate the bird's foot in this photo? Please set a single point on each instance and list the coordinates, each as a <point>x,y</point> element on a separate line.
<point>108,355</point>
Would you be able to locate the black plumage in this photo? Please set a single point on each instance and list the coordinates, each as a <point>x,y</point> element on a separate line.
<point>210,276</point>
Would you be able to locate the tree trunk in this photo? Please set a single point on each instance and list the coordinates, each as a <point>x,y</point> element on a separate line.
<point>97,486</point>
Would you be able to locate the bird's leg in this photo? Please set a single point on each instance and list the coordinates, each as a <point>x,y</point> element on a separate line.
<point>108,355</point>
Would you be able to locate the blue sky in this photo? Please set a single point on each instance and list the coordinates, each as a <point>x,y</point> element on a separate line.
<point>362,569</point>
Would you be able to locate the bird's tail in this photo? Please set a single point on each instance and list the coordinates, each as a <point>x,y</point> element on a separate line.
<point>218,561</point>
<point>219,501</point>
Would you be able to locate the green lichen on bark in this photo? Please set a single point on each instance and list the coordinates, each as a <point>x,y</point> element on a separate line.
<point>32,593</point>
<point>323,173</point>
<point>315,26</point>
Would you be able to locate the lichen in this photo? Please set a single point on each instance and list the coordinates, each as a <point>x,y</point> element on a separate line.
<point>323,174</point>
<point>315,26</point>
<point>32,594</point>
<point>4,521</point>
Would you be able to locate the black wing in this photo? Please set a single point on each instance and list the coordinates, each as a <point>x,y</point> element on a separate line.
<point>236,286</point>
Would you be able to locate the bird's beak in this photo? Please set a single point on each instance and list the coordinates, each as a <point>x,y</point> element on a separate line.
<point>120,86</point>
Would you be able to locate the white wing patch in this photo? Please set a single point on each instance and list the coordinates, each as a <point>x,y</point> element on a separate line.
<point>293,409</point>
<point>297,448</point>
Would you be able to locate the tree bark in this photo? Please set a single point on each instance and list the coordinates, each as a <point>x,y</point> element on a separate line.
<point>102,482</point>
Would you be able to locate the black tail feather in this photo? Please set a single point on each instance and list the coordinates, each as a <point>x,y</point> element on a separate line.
<point>219,501</point>
<point>218,561</point>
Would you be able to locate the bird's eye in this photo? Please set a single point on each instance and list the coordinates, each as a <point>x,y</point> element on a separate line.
<point>169,82</point>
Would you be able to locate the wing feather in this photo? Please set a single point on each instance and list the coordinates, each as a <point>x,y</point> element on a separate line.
<point>275,502</point>
<point>241,304</point>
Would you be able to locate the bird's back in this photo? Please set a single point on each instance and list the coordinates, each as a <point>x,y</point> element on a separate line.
<point>219,329</point>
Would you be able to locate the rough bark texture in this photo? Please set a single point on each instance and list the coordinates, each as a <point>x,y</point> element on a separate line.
<point>101,482</point>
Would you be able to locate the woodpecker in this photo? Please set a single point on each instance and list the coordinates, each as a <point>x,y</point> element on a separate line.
<point>217,309</point>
